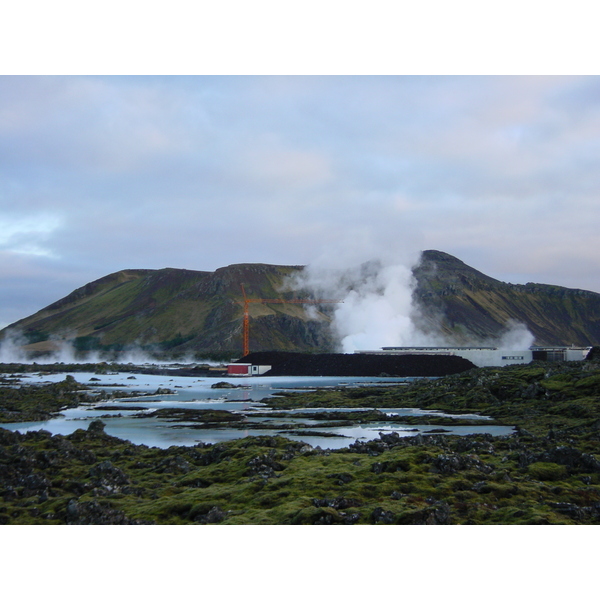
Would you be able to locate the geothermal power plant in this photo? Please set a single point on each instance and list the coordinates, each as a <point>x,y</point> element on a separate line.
<point>397,361</point>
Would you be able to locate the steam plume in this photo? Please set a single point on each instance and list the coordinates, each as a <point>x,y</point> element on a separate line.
<point>516,337</point>
<point>12,351</point>
<point>379,308</point>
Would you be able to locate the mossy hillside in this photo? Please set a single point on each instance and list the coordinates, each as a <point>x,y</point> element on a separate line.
<point>132,313</point>
<point>476,306</point>
<point>96,310</point>
<point>172,310</point>
<point>203,311</point>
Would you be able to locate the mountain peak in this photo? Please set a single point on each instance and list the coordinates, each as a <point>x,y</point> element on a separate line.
<point>445,268</point>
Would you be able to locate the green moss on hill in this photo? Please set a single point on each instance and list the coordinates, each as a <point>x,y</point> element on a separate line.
<point>155,309</point>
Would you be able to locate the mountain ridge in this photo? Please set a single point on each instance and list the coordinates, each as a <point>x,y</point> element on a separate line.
<point>182,311</point>
<point>555,315</point>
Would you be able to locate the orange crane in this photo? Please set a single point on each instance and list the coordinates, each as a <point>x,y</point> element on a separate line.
<point>248,301</point>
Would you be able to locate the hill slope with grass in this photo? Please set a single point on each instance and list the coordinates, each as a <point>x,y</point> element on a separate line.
<point>179,311</point>
<point>176,310</point>
<point>464,304</point>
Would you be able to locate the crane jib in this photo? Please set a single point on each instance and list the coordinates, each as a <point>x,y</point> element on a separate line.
<point>248,301</point>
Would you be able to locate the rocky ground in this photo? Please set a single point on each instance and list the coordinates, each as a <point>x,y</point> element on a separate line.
<point>548,472</point>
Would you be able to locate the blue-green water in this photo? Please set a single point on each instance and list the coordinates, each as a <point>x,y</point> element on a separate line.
<point>193,393</point>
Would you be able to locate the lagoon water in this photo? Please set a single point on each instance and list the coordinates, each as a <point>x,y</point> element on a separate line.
<point>196,393</point>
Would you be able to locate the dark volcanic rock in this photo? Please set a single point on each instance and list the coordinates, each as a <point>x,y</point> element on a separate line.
<point>93,513</point>
<point>173,464</point>
<point>108,479</point>
<point>576,512</point>
<point>382,516</point>
<point>593,354</point>
<point>448,464</point>
<point>214,515</point>
<point>264,465</point>
<point>437,514</point>
<point>35,484</point>
<point>366,365</point>
<point>572,458</point>
<point>224,385</point>
<point>339,503</point>
<point>96,426</point>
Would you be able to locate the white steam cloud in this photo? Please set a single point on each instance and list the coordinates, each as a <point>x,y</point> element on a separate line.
<point>11,350</point>
<point>517,337</point>
<point>379,308</point>
<point>63,351</point>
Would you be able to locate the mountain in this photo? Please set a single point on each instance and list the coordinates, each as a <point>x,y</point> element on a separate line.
<point>467,305</point>
<point>179,311</point>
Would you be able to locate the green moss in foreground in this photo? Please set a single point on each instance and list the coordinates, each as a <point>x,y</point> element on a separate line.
<point>548,472</point>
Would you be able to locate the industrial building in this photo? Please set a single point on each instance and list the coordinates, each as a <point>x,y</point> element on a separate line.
<point>419,361</point>
<point>486,356</point>
<point>246,369</point>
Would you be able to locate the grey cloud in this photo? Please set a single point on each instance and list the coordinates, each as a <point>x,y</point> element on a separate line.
<point>199,172</point>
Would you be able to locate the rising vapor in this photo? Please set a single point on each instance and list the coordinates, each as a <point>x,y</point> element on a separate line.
<point>63,351</point>
<point>379,308</point>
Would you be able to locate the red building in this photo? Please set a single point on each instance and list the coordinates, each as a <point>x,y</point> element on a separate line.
<point>246,369</point>
<point>239,369</point>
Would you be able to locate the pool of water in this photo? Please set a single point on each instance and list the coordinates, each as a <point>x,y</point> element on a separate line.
<point>192,393</point>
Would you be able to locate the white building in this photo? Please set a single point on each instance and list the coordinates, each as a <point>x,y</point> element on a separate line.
<point>486,356</point>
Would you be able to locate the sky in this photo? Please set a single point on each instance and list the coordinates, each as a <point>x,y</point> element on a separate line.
<point>102,173</point>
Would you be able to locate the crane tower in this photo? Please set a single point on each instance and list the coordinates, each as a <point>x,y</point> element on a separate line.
<point>248,301</point>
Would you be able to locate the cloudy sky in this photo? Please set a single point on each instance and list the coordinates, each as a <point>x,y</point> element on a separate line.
<point>100,173</point>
